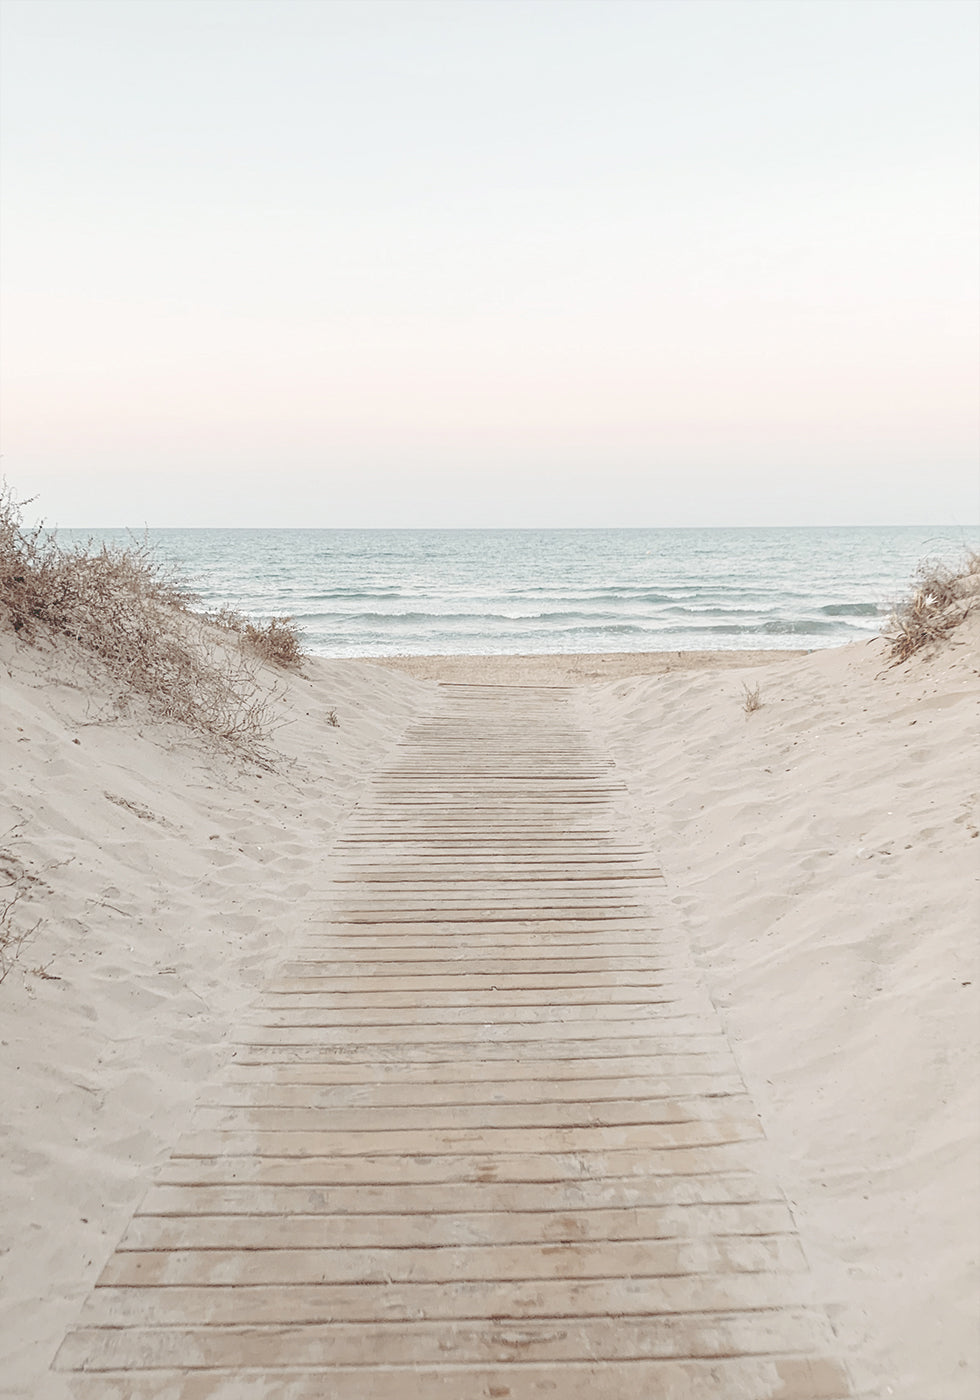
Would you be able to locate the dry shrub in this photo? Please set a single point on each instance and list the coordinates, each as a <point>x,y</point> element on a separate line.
<point>124,607</point>
<point>941,598</point>
<point>752,699</point>
<point>276,641</point>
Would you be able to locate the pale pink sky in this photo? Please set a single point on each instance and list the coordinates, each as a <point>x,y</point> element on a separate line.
<point>462,262</point>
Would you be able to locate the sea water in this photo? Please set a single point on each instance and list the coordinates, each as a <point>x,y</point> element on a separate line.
<point>414,592</point>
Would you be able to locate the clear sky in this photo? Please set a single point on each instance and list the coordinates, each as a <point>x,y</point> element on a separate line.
<point>491,262</point>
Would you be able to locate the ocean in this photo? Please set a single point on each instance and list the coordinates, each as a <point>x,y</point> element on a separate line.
<point>417,592</point>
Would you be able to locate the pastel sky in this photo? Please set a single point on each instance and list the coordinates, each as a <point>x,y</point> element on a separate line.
<point>491,262</point>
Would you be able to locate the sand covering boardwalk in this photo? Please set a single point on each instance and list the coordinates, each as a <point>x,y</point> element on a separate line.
<point>484,1136</point>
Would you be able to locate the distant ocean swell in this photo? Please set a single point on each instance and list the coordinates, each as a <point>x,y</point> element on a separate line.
<point>378,592</point>
<point>478,623</point>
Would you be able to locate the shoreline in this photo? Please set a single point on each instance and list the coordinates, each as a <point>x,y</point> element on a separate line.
<point>549,668</point>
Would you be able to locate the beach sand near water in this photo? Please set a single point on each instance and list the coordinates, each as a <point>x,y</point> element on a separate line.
<point>573,668</point>
<point>821,853</point>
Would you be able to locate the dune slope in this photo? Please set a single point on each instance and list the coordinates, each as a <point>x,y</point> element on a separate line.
<point>824,853</point>
<point>167,878</point>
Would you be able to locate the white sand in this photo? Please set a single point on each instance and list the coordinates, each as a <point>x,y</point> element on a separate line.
<point>824,858</point>
<point>574,667</point>
<point>161,918</point>
<point>822,854</point>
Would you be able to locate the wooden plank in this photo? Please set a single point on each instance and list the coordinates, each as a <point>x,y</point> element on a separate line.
<point>502,875</point>
<point>544,1072</point>
<point>487,913</point>
<point>567,1003</point>
<point>412,1344</point>
<point>494,870</point>
<point>437,1142</point>
<point>490,1091</point>
<point>394,1170</point>
<point>410,887</point>
<point>534,1078</point>
<point>429,1117</point>
<point>422,952</point>
<point>321,1030</point>
<point>583,1015</point>
<point>637,932</point>
<point>452,1263</point>
<point>757,1378</point>
<point>515,940</point>
<point>298,977</point>
<point>678,1041</point>
<point>588,1194</point>
<point>558,1000</point>
<point>489,966</point>
<point>404,1229</point>
<point>265,1304</point>
<point>480,844</point>
<point>355,939</point>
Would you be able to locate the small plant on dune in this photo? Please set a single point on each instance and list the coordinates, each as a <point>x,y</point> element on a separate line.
<point>941,598</point>
<point>15,931</point>
<point>752,698</point>
<point>276,641</point>
<point>122,606</point>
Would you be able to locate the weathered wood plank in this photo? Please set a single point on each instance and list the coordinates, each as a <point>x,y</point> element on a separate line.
<point>452,1263</point>
<point>540,1074</point>
<point>595,1193</point>
<point>501,1051</point>
<point>582,1018</point>
<point>400,1230</point>
<point>393,1169</point>
<point>607,1113</point>
<point>324,1032</point>
<point>758,1378</point>
<point>488,1091</point>
<point>435,1142</point>
<point>557,1000</point>
<point>491,1342</point>
<point>264,1304</point>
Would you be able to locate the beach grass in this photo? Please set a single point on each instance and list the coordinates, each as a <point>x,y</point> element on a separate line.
<point>123,608</point>
<point>942,595</point>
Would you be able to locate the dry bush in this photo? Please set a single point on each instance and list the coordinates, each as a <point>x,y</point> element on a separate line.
<point>752,698</point>
<point>42,582</point>
<point>941,598</point>
<point>276,641</point>
<point>124,607</point>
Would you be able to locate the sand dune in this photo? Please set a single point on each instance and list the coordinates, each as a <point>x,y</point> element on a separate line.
<point>168,878</point>
<point>822,854</point>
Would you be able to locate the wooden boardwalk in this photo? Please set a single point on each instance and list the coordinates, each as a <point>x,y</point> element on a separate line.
<point>483,1137</point>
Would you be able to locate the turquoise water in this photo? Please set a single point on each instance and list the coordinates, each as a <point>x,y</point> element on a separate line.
<point>385,592</point>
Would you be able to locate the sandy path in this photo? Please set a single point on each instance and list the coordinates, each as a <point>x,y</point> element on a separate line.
<point>483,1135</point>
<point>571,668</point>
